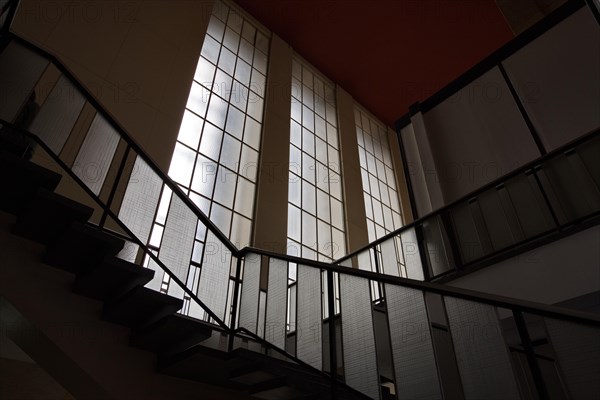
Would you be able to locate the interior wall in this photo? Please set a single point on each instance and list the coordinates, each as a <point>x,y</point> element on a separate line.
<point>270,219</point>
<point>356,218</point>
<point>558,80</point>
<point>556,272</point>
<point>137,57</point>
<point>477,135</point>
<point>522,14</point>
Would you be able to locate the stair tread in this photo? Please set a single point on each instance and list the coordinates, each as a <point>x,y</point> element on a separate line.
<point>174,333</point>
<point>82,247</point>
<point>48,215</point>
<point>20,180</point>
<point>141,307</point>
<point>111,279</point>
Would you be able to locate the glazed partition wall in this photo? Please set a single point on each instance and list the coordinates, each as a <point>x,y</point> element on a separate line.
<point>417,340</point>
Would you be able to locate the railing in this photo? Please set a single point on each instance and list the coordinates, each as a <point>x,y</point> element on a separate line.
<point>383,335</point>
<point>417,339</point>
<point>555,195</point>
<point>67,130</point>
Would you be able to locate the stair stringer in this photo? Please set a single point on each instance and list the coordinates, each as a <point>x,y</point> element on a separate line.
<point>65,334</point>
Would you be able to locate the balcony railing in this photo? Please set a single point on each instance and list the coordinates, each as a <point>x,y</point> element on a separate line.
<point>382,334</point>
<point>557,194</point>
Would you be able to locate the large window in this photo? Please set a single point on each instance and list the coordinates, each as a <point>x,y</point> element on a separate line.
<point>216,156</point>
<point>315,209</point>
<point>379,182</point>
<point>215,161</point>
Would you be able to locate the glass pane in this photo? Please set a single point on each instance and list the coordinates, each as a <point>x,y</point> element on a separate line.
<point>578,350</point>
<point>412,347</point>
<point>481,352</point>
<point>250,290</point>
<point>360,363</point>
<point>214,279</point>
<point>225,187</point>
<point>275,329</point>
<point>309,322</point>
<point>182,164</point>
<point>57,116</point>
<point>96,154</point>
<point>190,130</point>
<point>177,242</point>
<point>204,176</point>
<point>140,201</point>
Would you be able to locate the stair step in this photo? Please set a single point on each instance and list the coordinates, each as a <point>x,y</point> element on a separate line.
<point>280,393</point>
<point>82,248</point>
<point>204,364</point>
<point>48,216</point>
<point>274,383</point>
<point>21,180</point>
<point>15,143</point>
<point>111,279</point>
<point>141,307</point>
<point>171,335</point>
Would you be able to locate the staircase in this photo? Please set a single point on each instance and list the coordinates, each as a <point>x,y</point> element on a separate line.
<point>48,249</point>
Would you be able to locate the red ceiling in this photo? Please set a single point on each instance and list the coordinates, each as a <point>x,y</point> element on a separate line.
<point>387,54</point>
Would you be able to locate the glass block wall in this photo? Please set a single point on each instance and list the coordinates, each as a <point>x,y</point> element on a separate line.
<point>382,204</point>
<point>216,156</point>
<point>315,205</point>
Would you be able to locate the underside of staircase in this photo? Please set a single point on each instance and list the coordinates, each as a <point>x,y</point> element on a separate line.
<point>86,318</point>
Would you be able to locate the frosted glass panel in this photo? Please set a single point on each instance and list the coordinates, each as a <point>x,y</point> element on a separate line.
<point>214,276</point>
<point>578,351</point>
<point>389,259</point>
<point>140,202</point>
<point>360,363</point>
<point>276,303</point>
<point>412,257</point>
<point>96,154</point>
<point>308,319</point>
<point>20,70</point>
<point>250,289</point>
<point>177,243</point>
<point>481,352</point>
<point>58,115</point>
<point>414,360</point>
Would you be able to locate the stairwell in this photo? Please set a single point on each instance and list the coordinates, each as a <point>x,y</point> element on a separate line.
<point>86,318</point>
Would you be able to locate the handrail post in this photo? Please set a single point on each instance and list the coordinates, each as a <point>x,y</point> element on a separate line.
<point>332,338</point>
<point>536,372</point>
<point>234,305</point>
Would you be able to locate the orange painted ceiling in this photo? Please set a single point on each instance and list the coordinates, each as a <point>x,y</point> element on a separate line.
<point>387,54</point>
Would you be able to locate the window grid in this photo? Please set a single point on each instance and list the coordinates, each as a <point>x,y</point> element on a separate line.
<point>315,204</point>
<point>382,204</point>
<point>215,161</point>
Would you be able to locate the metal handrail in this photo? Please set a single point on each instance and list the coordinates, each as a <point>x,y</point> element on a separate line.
<point>517,306</point>
<point>494,300</point>
<point>129,140</point>
<point>131,236</point>
<point>524,168</point>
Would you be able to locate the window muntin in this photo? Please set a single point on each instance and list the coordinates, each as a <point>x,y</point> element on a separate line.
<point>316,228</point>
<point>381,199</point>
